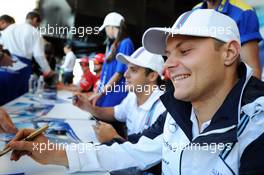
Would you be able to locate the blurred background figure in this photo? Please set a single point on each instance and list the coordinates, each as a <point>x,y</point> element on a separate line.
<point>24,42</point>
<point>5,21</point>
<point>89,81</point>
<point>113,71</point>
<point>68,64</point>
<point>98,62</point>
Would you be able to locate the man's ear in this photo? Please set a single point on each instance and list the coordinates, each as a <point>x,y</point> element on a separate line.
<point>232,52</point>
<point>153,76</point>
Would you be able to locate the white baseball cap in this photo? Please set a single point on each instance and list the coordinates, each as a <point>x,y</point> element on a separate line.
<point>112,19</point>
<point>145,59</point>
<point>198,22</point>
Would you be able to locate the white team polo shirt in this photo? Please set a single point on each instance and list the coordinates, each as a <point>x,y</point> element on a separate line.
<point>138,118</point>
<point>25,41</point>
<point>69,62</point>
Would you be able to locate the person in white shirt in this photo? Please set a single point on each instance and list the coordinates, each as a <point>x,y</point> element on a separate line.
<point>142,106</point>
<point>68,64</point>
<point>24,42</point>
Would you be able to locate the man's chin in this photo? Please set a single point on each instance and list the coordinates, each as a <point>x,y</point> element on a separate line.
<point>181,96</point>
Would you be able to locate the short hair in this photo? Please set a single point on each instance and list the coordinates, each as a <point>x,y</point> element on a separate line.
<point>159,81</point>
<point>7,18</point>
<point>32,15</point>
<point>69,45</point>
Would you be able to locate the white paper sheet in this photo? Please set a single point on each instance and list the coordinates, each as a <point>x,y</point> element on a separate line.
<point>68,111</point>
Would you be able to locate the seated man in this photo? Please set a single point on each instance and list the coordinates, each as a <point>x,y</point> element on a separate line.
<point>215,118</point>
<point>141,107</point>
<point>98,61</point>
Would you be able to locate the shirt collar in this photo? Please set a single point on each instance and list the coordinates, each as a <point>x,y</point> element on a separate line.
<point>195,126</point>
<point>226,115</point>
<point>155,95</point>
<point>222,7</point>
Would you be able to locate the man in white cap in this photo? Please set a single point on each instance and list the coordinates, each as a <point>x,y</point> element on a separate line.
<point>215,118</point>
<point>141,107</point>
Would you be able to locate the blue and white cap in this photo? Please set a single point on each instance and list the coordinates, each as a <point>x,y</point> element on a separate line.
<point>145,59</point>
<point>198,22</point>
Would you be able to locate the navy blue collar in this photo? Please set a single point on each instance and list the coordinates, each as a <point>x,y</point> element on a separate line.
<point>226,115</point>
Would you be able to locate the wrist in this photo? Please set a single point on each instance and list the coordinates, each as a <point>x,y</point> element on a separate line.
<point>60,158</point>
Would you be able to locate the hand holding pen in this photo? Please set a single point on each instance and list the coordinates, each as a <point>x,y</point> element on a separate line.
<point>38,147</point>
<point>30,137</point>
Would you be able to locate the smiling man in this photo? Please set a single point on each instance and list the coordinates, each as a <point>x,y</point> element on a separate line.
<point>215,118</point>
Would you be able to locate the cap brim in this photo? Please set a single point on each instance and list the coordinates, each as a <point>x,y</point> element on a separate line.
<point>101,28</point>
<point>127,59</point>
<point>154,40</point>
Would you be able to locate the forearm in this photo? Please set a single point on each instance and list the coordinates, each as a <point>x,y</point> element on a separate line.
<point>145,153</point>
<point>60,158</point>
<point>105,114</point>
<point>43,63</point>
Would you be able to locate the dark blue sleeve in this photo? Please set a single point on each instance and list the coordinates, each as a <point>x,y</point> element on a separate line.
<point>248,25</point>
<point>251,161</point>
<point>126,47</point>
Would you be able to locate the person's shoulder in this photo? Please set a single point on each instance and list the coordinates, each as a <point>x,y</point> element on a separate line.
<point>28,29</point>
<point>72,55</point>
<point>126,41</point>
<point>241,5</point>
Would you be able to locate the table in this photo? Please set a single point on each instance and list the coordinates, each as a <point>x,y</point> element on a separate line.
<point>76,118</point>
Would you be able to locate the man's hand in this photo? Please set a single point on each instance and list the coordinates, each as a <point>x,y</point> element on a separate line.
<point>60,86</point>
<point>39,149</point>
<point>105,132</point>
<point>48,74</point>
<point>95,97</point>
<point>6,125</point>
<point>82,101</point>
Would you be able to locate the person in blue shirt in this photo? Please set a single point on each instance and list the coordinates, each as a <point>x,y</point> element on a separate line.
<point>248,26</point>
<point>111,89</point>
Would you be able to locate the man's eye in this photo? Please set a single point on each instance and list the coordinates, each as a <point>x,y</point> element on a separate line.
<point>185,51</point>
<point>133,70</point>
